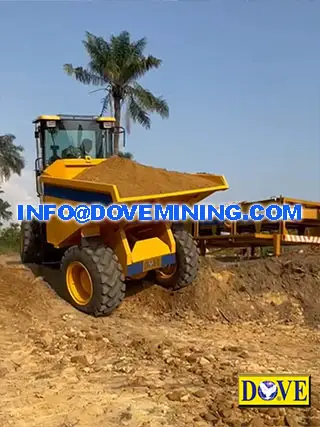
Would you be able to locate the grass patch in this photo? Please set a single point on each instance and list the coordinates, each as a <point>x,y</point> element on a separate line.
<point>10,238</point>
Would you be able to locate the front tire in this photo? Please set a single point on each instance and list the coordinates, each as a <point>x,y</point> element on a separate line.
<point>186,269</point>
<point>30,242</point>
<point>94,279</point>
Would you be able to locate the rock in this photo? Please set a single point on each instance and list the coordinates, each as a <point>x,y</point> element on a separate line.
<point>213,407</point>
<point>79,346</point>
<point>204,362</point>
<point>273,412</point>
<point>268,421</point>
<point>208,416</point>
<point>297,269</point>
<point>314,412</point>
<point>314,421</point>
<point>291,421</point>
<point>200,393</point>
<point>225,412</point>
<point>223,405</point>
<point>71,333</point>
<point>192,358</point>
<point>38,395</point>
<point>66,317</point>
<point>233,348</point>
<point>185,398</point>
<point>3,371</point>
<point>46,337</point>
<point>81,359</point>
<point>126,415</point>
<point>244,355</point>
<point>278,421</point>
<point>211,357</point>
<point>92,336</point>
<point>257,422</point>
<point>234,423</point>
<point>176,395</point>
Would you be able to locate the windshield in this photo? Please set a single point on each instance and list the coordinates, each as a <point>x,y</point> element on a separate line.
<point>75,139</point>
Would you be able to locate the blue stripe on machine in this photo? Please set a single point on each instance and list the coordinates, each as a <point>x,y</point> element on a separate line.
<point>76,195</point>
<point>168,260</point>
<point>137,267</point>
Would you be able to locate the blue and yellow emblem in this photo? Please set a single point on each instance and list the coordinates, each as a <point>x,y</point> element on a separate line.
<point>274,390</point>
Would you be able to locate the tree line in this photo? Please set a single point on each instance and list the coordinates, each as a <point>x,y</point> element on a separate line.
<point>115,68</point>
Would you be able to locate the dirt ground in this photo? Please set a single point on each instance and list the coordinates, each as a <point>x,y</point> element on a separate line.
<point>162,359</point>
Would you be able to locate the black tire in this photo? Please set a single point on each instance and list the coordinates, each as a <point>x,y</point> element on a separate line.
<point>106,276</point>
<point>188,261</point>
<point>30,242</point>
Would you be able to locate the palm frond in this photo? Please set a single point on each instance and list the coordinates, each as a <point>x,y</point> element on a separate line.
<point>11,158</point>
<point>5,213</point>
<point>95,45</point>
<point>127,119</point>
<point>139,46</point>
<point>137,67</point>
<point>101,59</point>
<point>83,76</point>
<point>138,114</point>
<point>107,104</point>
<point>121,48</point>
<point>150,102</point>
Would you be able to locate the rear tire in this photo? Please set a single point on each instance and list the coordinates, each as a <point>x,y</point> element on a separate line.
<point>32,249</point>
<point>94,279</point>
<point>187,266</point>
<point>30,242</point>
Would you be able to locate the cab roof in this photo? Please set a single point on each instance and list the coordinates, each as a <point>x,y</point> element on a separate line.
<point>73,117</point>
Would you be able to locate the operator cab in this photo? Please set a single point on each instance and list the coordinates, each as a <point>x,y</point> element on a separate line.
<point>74,137</point>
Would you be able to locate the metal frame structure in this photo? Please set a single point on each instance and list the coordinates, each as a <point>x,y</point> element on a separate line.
<point>250,234</point>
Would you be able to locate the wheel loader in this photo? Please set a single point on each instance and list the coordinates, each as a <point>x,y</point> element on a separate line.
<point>98,259</point>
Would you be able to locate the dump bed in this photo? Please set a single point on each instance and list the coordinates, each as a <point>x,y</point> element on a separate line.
<point>78,180</point>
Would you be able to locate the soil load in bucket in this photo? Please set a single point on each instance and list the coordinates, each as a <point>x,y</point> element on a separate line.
<point>134,179</point>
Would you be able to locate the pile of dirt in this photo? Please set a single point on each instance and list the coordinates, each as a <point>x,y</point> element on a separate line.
<point>134,179</point>
<point>286,290</point>
<point>143,369</point>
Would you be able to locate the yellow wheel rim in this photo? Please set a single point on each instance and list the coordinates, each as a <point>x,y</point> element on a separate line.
<point>79,283</point>
<point>167,272</point>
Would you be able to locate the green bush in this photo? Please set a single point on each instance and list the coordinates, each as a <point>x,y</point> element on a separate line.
<point>10,238</point>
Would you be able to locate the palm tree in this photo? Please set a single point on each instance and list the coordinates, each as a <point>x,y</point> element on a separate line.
<point>5,213</point>
<point>11,159</point>
<point>116,65</point>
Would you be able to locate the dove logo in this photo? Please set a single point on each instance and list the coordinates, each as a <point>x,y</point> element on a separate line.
<point>267,390</point>
<point>274,390</point>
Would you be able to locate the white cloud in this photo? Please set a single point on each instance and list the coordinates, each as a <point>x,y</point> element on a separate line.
<point>20,190</point>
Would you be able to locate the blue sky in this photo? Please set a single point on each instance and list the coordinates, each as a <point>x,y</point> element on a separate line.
<point>241,78</point>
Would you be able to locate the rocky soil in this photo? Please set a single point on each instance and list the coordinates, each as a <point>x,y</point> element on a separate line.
<point>162,359</point>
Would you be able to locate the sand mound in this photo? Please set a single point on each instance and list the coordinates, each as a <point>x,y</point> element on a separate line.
<point>134,179</point>
<point>286,289</point>
<point>267,290</point>
<point>25,296</point>
<point>140,368</point>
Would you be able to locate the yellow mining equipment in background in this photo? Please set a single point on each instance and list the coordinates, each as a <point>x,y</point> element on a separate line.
<point>250,234</point>
<point>98,258</point>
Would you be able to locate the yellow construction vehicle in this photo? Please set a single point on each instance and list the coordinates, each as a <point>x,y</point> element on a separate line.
<point>97,258</point>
